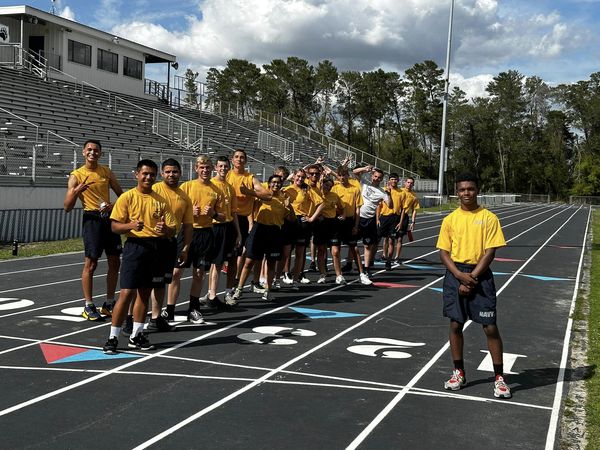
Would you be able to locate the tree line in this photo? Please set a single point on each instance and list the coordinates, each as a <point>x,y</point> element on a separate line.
<point>524,136</point>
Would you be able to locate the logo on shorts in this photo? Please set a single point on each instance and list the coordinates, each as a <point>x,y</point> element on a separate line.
<point>486,313</point>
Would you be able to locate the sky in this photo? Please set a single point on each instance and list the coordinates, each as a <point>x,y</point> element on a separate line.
<point>552,39</point>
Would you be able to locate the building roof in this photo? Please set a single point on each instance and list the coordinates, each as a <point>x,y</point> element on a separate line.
<point>151,55</point>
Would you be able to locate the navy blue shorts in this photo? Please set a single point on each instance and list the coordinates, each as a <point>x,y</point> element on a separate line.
<point>387,226</point>
<point>201,248</point>
<point>342,233</point>
<point>264,241</point>
<point>244,228</point>
<point>368,230</point>
<point>224,235</point>
<point>323,231</point>
<point>403,227</point>
<point>142,265</point>
<point>98,236</point>
<point>169,254</point>
<point>289,231</point>
<point>479,306</point>
<point>303,232</point>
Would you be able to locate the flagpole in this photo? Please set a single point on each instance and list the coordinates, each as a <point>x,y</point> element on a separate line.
<point>443,153</point>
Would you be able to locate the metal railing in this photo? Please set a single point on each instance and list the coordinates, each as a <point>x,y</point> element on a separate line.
<point>276,145</point>
<point>254,165</point>
<point>178,130</point>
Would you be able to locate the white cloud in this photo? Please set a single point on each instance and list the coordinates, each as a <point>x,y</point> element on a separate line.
<point>357,34</point>
<point>473,86</point>
<point>67,13</point>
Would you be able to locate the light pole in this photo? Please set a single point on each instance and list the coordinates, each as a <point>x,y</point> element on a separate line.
<point>445,107</point>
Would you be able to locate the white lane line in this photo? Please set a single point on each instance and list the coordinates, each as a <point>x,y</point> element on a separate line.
<point>59,266</point>
<point>395,388</point>
<point>388,408</point>
<point>198,338</point>
<point>260,380</point>
<point>554,417</point>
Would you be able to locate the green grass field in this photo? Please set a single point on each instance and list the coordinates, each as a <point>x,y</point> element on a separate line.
<point>42,248</point>
<point>593,383</point>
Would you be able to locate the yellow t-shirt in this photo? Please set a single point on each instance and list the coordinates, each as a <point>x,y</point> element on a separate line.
<point>409,201</point>
<point>179,201</point>
<point>466,235</point>
<point>227,201</point>
<point>97,192</point>
<point>397,195</point>
<point>272,212</point>
<point>245,204</point>
<point>350,196</point>
<point>149,208</point>
<point>304,201</point>
<point>202,195</point>
<point>332,202</point>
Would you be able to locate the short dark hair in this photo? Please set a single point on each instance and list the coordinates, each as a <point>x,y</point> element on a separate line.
<point>223,158</point>
<point>327,179</point>
<point>93,141</point>
<point>378,170</point>
<point>274,176</point>
<point>147,163</point>
<point>170,162</point>
<point>284,170</point>
<point>393,175</point>
<point>467,176</point>
<point>343,171</point>
<point>240,150</point>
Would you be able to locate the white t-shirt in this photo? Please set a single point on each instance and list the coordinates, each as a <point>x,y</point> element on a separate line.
<point>372,197</point>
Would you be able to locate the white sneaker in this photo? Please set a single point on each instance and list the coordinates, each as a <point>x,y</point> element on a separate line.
<point>303,279</point>
<point>267,297</point>
<point>286,279</point>
<point>364,279</point>
<point>256,288</point>
<point>501,389</point>
<point>340,279</point>
<point>321,279</point>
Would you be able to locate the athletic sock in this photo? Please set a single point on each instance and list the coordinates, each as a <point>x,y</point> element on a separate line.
<point>460,365</point>
<point>194,303</point>
<point>499,369</point>
<point>170,310</point>
<point>89,302</point>
<point>114,332</point>
<point>137,328</point>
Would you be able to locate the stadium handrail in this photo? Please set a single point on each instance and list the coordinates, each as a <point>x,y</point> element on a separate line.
<point>37,127</point>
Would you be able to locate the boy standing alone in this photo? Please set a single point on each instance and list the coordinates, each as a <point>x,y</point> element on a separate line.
<point>468,240</point>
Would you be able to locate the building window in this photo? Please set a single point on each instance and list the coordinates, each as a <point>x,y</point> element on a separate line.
<point>80,53</point>
<point>108,61</point>
<point>132,68</point>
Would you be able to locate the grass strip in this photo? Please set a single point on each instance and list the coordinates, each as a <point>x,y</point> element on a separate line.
<point>42,248</point>
<point>593,383</point>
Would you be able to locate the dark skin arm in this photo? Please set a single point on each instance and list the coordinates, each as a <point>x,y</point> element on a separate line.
<point>468,281</point>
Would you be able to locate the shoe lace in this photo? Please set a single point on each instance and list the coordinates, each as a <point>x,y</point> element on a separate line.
<point>456,376</point>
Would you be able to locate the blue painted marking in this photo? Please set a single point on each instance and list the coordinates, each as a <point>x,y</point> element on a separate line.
<point>424,267</point>
<point>501,273</point>
<point>437,289</point>
<point>324,314</point>
<point>93,355</point>
<point>543,278</point>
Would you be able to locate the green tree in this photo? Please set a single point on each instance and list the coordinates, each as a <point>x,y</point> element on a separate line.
<point>191,88</point>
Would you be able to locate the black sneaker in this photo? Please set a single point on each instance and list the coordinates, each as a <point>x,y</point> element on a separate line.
<point>388,265</point>
<point>165,315</point>
<point>110,348</point>
<point>159,325</point>
<point>127,328</point>
<point>140,342</point>
<point>207,306</point>
<point>195,317</point>
<point>91,313</point>
<point>107,308</point>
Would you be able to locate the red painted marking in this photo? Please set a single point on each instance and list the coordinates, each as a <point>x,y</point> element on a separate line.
<point>508,260</point>
<point>53,352</point>
<point>393,285</point>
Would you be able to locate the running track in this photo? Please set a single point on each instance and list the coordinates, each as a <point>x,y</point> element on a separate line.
<point>327,367</point>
